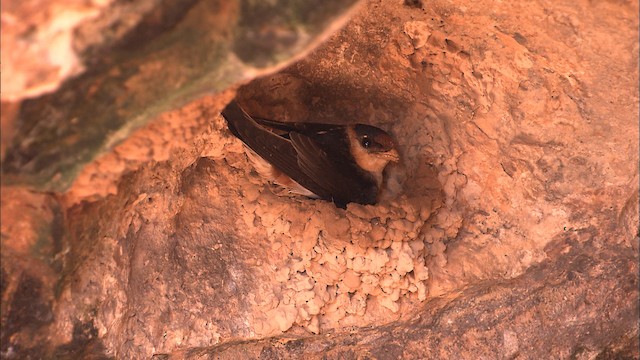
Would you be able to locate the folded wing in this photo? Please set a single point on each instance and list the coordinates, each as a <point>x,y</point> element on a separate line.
<point>292,150</point>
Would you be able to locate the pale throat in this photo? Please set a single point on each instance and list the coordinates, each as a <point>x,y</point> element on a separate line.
<point>371,162</point>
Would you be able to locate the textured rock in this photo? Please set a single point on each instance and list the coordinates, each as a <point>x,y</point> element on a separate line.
<point>31,261</point>
<point>522,317</point>
<point>174,52</point>
<point>40,36</point>
<point>509,230</point>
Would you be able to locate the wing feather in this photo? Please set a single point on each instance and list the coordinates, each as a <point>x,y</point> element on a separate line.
<point>270,146</point>
<point>344,186</point>
<point>325,167</point>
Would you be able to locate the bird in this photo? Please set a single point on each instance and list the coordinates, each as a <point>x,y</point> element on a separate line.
<point>339,163</point>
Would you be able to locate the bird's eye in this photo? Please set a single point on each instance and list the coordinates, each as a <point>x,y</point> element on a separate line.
<point>366,142</point>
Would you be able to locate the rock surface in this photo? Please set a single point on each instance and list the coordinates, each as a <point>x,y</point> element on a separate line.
<point>510,229</point>
<point>173,53</point>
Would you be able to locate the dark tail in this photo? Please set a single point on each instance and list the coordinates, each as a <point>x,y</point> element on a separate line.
<point>237,119</point>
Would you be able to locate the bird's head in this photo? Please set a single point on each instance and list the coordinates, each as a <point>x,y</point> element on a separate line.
<point>376,142</point>
<point>372,147</point>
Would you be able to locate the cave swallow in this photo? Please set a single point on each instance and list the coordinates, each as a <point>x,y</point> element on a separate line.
<point>339,163</point>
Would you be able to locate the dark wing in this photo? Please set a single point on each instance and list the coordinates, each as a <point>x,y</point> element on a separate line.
<point>332,139</point>
<point>344,183</point>
<point>324,166</point>
<point>308,129</point>
<point>273,148</point>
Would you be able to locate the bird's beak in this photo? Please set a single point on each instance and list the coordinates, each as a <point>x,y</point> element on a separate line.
<point>392,155</point>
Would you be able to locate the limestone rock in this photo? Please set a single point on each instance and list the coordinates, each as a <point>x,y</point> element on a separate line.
<point>510,229</point>
<point>145,58</point>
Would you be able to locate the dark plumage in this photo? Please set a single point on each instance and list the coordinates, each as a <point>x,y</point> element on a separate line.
<point>340,163</point>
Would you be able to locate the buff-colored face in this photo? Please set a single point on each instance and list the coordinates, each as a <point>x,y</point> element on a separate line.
<point>376,142</point>
<point>372,148</point>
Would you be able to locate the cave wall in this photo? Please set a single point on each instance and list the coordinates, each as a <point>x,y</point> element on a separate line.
<point>510,228</point>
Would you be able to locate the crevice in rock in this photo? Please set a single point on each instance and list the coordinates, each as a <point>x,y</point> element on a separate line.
<point>511,228</point>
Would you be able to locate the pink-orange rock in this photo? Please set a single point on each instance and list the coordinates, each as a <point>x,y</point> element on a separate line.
<point>514,233</point>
